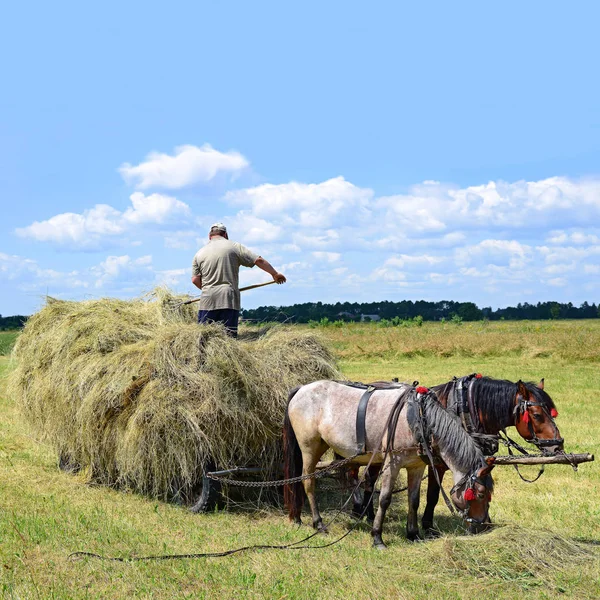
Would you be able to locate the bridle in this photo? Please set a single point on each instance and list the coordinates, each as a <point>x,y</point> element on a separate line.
<point>468,483</point>
<point>521,411</point>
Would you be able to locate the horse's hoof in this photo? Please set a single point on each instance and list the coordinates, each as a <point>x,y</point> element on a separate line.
<point>320,527</point>
<point>379,546</point>
<point>414,537</point>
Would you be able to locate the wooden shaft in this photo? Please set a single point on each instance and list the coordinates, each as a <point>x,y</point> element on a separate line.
<point>248,287</point>
<point>559,459</point>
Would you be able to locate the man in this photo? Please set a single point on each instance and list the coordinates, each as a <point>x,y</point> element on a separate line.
<point>215,271</point>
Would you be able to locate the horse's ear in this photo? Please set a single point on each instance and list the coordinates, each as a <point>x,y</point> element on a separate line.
<point>522,390</point>
<point>490,464</point>
<point>540,385</point>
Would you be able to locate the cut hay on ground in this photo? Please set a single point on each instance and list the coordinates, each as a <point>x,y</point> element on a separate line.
<point>141,397</point>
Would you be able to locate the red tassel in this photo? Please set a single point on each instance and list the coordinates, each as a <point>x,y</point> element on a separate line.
<point>422,389</point>
<point>526,417</point>
<point>478,376</point>
<point>469,495</point>
<point>553,413</point>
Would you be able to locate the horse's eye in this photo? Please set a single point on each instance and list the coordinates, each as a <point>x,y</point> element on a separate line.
<point>539,418</point>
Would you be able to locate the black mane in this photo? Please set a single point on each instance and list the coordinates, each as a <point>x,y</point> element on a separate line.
<point>451,437</point>
<point>495,398</point>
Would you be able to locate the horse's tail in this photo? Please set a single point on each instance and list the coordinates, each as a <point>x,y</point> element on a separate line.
<point>293,494</point>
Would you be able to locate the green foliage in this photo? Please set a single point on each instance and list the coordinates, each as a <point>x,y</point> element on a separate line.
<point>10,323</point>
<point>325,322</point>
<point>456,319</point>
<point>429,311</point>
<point>398,322</point>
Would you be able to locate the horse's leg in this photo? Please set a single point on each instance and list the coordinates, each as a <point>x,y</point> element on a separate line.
<point>415,475</point>
<point>352,479</point>
<point>433,495</point>
<point>385,497</point>
<point>310,458</point>
<point>370,479</point>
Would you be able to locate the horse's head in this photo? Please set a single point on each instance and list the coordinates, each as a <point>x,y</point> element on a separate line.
<point>534,417</point>
<point>472,496</point>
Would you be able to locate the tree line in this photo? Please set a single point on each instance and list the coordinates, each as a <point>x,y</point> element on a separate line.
<point>14,322</point>
<point>407,309</point>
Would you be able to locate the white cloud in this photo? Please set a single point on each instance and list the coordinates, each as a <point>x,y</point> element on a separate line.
<point>574,237</point>
<point>317,205</point>
<point>189,165</point>
<point>253,229</point>
<point>497,252</point>
<point>155,208</point>
<point>558,282</point>
<point>403,261</point>
<point>434,207</point>
<point>119,268</point>
<point>92,228</point>
<point>183,240</point>
<point>172,277</point>
<point>329,257</point>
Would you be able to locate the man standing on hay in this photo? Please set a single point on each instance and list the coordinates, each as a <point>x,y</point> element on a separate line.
<point>215,271</point>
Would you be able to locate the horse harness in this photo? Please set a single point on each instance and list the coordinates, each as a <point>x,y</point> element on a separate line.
<point>421,431</point>
<point>361,413</point>
<point>460,402</point>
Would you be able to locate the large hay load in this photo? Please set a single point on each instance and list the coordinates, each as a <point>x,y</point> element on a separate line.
<point>141,397</point>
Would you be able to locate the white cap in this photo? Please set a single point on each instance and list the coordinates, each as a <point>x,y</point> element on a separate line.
<point>218,227</point>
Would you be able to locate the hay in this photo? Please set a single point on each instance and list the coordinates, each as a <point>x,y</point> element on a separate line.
<point>141,397</point>
<point>511,553</point>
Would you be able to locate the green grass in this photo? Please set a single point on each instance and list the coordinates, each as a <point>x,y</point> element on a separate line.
<point>7,341</point>
<point>547,546</point>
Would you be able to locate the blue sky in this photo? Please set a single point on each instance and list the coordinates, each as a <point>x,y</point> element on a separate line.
<point>370,151</point>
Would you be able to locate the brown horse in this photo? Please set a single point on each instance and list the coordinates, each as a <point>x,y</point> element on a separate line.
<point>322,415</point>
<point>488,406</point>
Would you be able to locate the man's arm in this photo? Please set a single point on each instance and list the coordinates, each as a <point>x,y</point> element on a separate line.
<point>266,266</point>
<point>197,281</point>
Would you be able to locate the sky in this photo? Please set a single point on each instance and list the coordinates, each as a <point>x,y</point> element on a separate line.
<point>369,151</point>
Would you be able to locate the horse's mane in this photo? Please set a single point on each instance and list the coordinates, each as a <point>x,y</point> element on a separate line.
<point>451,437</point>
<point>495,398</point>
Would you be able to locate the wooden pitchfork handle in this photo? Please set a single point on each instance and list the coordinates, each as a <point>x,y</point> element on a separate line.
<point>248,287</point>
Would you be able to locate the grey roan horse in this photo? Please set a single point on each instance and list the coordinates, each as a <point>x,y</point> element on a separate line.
<point>322,415</point>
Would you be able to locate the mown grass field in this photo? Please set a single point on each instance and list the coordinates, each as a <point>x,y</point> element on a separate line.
<point>7,339</point>
<point>547,544</point>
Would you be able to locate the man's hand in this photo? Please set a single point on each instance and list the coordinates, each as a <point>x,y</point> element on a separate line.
<point>266,266</point>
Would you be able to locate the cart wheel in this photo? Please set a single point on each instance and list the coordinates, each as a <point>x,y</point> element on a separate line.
<point>210,497</point>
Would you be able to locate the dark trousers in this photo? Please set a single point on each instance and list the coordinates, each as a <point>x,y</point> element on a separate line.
<point>228,316</point>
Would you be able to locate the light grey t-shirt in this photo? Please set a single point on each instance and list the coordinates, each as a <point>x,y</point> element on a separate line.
<point>218,264</point>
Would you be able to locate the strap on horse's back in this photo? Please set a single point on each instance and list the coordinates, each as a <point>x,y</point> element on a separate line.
<point>361,413</point>
<point>361,417</point>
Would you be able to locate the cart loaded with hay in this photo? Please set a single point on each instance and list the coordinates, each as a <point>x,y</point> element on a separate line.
<point>135,395</point>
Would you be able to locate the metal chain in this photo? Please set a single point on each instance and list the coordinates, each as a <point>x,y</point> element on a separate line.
<point>275,483</point>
